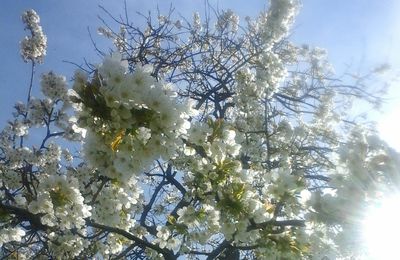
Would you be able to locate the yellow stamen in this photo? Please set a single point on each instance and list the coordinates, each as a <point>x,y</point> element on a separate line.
<point>117,140</point>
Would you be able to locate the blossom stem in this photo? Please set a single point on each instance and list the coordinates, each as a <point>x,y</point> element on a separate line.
<point>21,140</point>
<point>31,82</point>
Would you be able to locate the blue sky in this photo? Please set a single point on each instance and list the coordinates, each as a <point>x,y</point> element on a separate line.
<point>358,34</point>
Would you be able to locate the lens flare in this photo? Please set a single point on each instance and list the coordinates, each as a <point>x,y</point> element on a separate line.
<point>381,229</point>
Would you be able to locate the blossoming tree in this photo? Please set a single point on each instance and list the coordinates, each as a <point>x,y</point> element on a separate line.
<point>202,139</point>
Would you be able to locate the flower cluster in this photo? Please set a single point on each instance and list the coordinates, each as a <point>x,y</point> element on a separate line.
<point>132,118</point>
<point>11,234</point>
<point>54,86</point>
<point>228,21</point>
<point>279,19</point>
<point>67,245</point>
<point>61,202</point>
<point>116,204</point>
<point>34,47</point>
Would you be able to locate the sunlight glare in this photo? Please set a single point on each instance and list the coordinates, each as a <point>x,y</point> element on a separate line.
<point>388,129</point>
<point>381,229</point>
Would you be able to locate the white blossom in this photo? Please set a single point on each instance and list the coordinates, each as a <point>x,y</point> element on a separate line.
<point>33,47</point>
